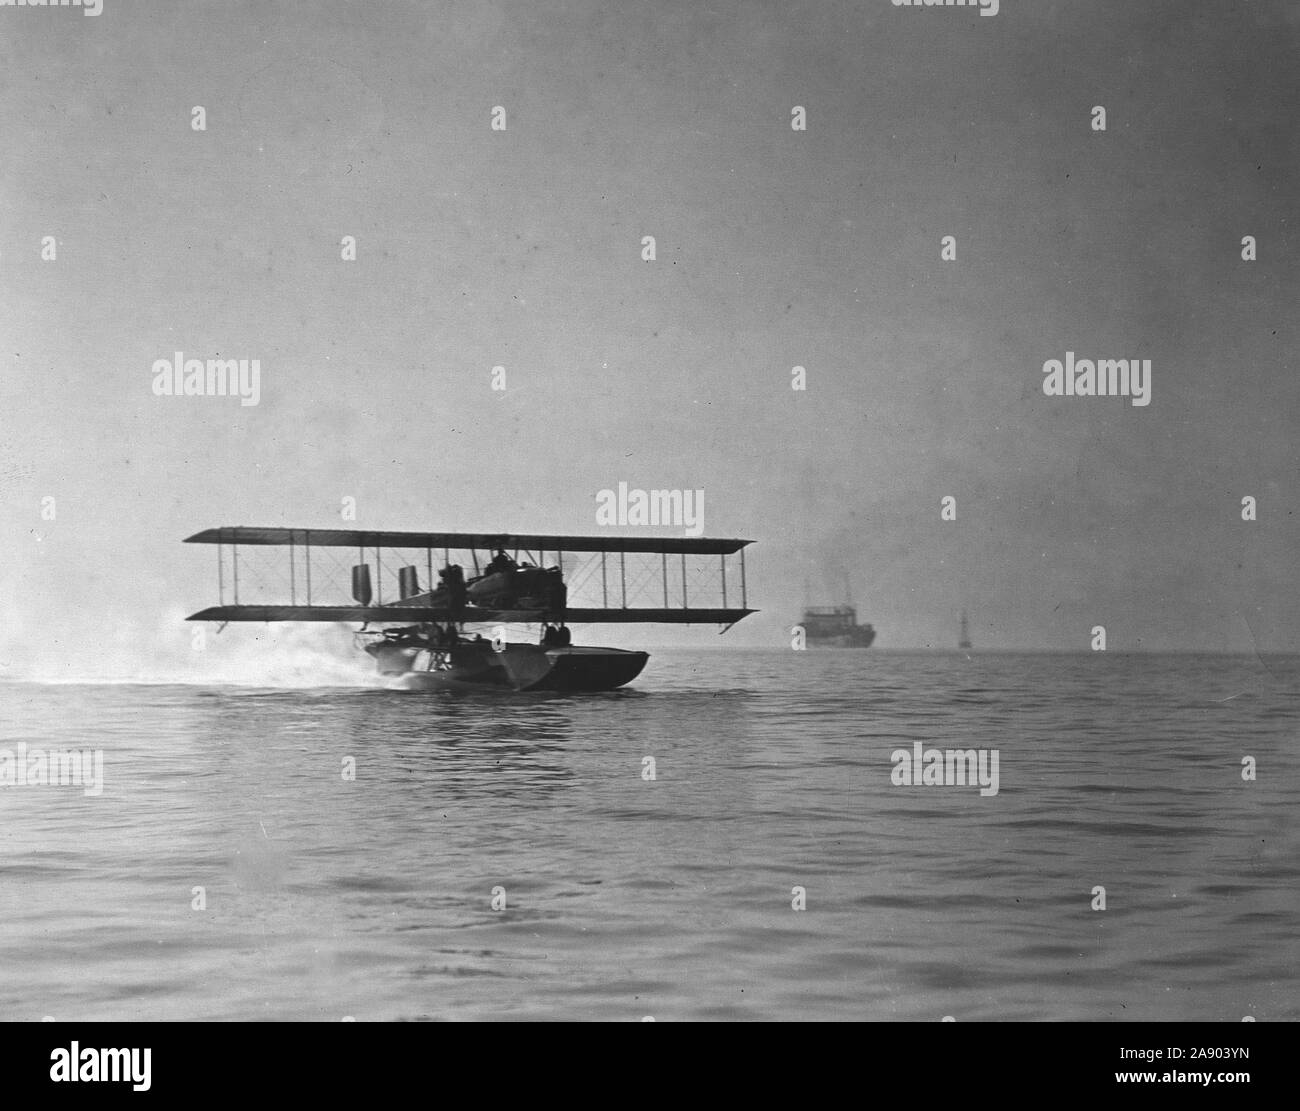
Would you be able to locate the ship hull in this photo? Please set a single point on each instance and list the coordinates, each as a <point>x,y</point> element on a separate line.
<point>863,638</point>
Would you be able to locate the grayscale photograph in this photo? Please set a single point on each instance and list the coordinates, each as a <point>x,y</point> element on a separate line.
<point>649,511</point>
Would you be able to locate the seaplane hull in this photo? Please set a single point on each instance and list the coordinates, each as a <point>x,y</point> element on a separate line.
<point>515,667</point>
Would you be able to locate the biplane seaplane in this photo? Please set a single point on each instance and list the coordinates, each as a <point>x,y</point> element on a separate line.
<point>417,632</point>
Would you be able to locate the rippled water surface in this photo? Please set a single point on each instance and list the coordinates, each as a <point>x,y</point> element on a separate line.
<point>627,897</point>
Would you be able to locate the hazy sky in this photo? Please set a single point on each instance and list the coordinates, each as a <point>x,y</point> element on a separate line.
<point>775,248</point>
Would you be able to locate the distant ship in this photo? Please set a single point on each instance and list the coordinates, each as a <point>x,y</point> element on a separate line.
<point>836,627</point>
<point>964,642</point>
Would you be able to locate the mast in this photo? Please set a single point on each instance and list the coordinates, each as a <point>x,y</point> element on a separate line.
<point>964,642</point>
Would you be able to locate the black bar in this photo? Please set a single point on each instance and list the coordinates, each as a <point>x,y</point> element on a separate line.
<point>230,1060</point>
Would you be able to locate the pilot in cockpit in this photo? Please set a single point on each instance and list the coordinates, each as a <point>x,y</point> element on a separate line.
<point>500,562</point>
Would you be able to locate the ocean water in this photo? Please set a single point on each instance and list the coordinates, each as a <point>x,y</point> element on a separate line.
<point>627,897</point>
